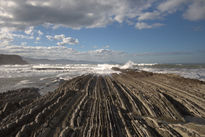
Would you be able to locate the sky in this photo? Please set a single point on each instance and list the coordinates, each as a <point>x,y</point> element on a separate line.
<point>144,31</point>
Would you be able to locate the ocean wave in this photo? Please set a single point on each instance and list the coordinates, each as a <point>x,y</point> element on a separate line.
<point>66,71</point>
<point>129,65</point>
<point>187,73</point>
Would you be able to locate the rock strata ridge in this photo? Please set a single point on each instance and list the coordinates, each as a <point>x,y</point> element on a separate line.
<point>118,105</point>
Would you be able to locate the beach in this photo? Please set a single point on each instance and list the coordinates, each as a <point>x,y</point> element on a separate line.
<point>129,103</point>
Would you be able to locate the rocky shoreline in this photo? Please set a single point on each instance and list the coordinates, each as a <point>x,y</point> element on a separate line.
<point>129,104</point>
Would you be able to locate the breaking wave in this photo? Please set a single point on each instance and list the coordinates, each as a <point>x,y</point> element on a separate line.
<point>52,74</point>
<point>128,65</point>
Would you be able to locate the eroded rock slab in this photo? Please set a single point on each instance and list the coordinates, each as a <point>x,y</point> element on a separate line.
<point>127,104</point>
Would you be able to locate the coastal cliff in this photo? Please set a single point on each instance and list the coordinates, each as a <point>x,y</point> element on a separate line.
<point>11,60</point>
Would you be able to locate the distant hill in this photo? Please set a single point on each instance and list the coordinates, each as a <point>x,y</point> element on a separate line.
<point>11,60</point>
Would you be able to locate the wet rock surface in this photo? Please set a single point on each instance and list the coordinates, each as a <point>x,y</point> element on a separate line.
<point>119,105</point>
<point>14,100</point>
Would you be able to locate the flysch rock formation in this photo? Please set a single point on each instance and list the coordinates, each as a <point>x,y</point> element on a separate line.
<point>129,104</point>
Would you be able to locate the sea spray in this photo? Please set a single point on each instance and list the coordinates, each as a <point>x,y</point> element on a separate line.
<point>39,74</point>
<point>128,65</point>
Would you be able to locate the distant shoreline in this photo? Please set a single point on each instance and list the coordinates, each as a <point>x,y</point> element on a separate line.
<point>11,60</point>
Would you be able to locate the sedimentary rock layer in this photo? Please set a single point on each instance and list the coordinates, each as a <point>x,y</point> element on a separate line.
<point>119,105</point>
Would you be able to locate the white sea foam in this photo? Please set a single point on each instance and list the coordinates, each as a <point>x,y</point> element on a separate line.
<point>33,75</point>
<point>128,65</point>
<point>67,71</point>
<point>187,73</point>
<point>12,71</point>
<point>36,75</point>
<point>132,65</point>
<point>23,82</point>
<point>105,69</point>
<point>146,64</point>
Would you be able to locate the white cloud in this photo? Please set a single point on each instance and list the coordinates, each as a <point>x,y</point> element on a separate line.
<point>23,43</point>
<point>63,40</point>
<point>8,35</point>
<point>29,31</point>
<point>73,13</point>
<point>77,14</point>
<point>49,37</point>
<point>21,36</point>
<point>143,25</point>
<point>195,11</point>
<point>59,37</point>
<point>171,5</point>
<point>40,33</point>
<point>38,38</point>
<point>150,16</point>
<point>99,55</point>
<point>61,52</point>
<point>68,40</point>
<point>51,52</point>
<point>5,36</point>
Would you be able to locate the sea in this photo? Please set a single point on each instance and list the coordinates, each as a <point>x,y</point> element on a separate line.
<point>47,77</point>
